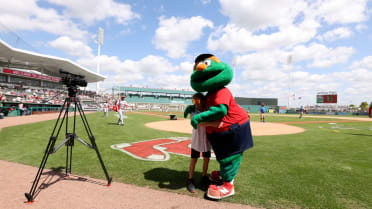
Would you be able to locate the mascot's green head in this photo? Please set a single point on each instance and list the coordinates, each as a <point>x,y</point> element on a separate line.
<point>210,74</point>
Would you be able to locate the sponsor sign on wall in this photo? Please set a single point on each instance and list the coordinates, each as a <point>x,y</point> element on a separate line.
<point>29,75</point>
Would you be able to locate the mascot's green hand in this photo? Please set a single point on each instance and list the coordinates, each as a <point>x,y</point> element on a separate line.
<point>189,109</point>
<point>214,113</point>
<point>195,121</point>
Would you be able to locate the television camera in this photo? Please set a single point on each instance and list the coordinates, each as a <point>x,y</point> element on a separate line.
<point>72,81</point>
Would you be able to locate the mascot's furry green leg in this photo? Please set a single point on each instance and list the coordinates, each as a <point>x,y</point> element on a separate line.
<point>228,169</point>
<point>233,135</point>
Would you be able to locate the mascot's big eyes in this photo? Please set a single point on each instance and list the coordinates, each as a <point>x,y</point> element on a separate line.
<point>206,62</point>
<point>203,64</point>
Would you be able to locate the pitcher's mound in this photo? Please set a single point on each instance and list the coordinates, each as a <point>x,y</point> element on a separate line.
<point>258,129</point>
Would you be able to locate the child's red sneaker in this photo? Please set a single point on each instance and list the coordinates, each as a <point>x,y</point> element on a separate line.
<point>220,192</point>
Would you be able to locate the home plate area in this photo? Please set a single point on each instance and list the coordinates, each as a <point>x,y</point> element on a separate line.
<point>157,149</point>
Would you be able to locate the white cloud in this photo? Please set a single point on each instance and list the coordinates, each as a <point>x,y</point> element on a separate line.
<point>341,11</point>
<point>237,39</point>
<point>260,67</point>
<point>309,82</point>
<point>27,15</point>
<point>108,64</point>
<point>357,84</point>
<point>352,86</point>
<point>71,47</point>
<point>141,71</point>
<point>269,66</point>
<point>338,33</point>
<point>186,67</point>
<point>170,81</point>
<point>158,81</point>
<point>152,65</point>
<point>321,55</point>
<point>149,65</point>
<point>366,62</point>
<point>356,76</point>
<point>258,25</point>
<point>265,74</point>
<point>360,27</point>
<point>271,24</point>
<point>97,10</point>
<point>301,84</point>
<point>260,14</point>
<point>174,34</point>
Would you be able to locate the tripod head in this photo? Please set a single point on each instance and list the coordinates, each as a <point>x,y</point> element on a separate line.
<point>72,81</point>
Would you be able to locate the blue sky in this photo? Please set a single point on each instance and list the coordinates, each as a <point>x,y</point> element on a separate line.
<point>154,43</point>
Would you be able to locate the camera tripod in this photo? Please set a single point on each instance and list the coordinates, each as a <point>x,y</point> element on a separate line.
<point>68,141</point>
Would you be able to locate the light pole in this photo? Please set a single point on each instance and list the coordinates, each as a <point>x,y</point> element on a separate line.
<point>289,62</point>
<point>119,84</point>
<point>100,42</point>
<point>234,64</point>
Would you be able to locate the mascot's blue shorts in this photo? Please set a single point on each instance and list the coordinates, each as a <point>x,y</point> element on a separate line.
<point>236,139</point>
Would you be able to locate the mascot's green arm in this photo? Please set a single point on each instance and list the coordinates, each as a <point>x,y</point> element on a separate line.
<point>214,113</point>
<point>189,109</point>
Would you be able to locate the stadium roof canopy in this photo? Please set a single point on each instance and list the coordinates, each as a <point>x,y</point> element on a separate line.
<point>152,90</point>
<point>18,58</point>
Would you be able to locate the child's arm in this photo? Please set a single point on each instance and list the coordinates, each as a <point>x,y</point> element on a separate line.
<point>214,124</point>
<point>214,113</point>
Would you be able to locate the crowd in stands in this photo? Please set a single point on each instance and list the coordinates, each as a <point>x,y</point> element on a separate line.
<point>48,96</point>
<point>16,98</point>
<point>329,108</point>
<point>35,95</point>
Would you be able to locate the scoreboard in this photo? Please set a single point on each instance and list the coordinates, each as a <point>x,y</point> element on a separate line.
<point>326,97</point>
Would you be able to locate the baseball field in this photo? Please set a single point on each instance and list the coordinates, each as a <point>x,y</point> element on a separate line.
<point>326,165</point>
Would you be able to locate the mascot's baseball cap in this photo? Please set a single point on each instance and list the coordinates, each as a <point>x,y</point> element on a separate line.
<point>202,57</point>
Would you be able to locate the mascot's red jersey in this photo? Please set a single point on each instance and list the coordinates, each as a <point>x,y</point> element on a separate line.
<point>235,113</point>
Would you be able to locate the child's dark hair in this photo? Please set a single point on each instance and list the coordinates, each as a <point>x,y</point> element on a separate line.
<point>198,95</point>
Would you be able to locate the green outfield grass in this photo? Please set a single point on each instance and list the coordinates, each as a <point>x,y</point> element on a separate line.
<point>289,118</point>
<point>272,117</point>
<point>327,166</point>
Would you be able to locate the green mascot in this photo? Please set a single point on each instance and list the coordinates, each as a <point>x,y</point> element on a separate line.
<point>233,135</point>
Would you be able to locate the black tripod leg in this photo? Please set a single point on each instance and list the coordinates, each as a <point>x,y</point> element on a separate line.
<point>30,195</point>
<point>71,137</point>
<point>67,160</point>
<point>71,156</point>
<point>93,141</point>
<point>49,149</point>
<point>70,143</point>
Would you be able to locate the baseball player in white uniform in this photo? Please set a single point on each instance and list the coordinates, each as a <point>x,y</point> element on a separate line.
<point>122,104</point>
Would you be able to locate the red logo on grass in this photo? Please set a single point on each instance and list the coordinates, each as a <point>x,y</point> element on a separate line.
<point>156,149</point>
